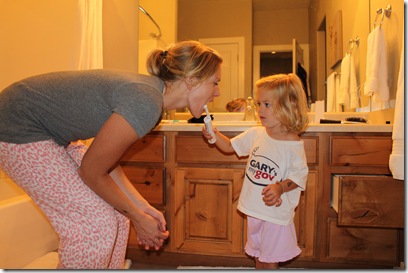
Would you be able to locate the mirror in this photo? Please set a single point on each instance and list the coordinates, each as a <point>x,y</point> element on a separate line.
<point>276,23</point>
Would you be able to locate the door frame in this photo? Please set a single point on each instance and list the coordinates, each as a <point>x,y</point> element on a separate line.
<point>258,49</point>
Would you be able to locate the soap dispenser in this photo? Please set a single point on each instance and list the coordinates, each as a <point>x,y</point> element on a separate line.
<point>250,110</point>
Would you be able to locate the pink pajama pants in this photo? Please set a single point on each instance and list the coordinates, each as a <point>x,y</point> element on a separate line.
<point>93,235</point>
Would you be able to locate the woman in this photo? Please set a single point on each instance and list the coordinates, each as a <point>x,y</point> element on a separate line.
<point>84,192</point>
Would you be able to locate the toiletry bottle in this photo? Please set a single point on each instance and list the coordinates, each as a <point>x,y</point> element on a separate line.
<point>250,110</point>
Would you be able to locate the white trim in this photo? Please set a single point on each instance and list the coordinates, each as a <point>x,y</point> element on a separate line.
<point>241,55</point>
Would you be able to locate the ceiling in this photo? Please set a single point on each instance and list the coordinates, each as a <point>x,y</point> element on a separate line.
<point>279,4</point>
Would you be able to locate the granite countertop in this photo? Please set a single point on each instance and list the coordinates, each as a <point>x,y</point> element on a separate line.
<point>242,126</point>
<point>233,122</point>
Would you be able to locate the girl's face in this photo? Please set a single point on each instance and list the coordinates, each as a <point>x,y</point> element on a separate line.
<point>203,93</point>
<point>265,109</point>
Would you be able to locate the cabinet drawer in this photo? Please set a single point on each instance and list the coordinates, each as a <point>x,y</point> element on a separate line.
<point>360,151</point>
<point>194,149</point>
<point>149,182</point>
<point>148,149</point>
<point>363,244</point>
<point>370,201</point>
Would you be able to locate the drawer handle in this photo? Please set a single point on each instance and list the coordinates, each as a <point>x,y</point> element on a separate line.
<point>202,216</point>
<point>145,182</point>
<point>364,215</point>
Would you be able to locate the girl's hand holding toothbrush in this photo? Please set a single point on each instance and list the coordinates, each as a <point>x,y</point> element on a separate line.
<point>207,134</point>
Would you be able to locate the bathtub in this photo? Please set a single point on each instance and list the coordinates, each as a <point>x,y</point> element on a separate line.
<point>27,239</point>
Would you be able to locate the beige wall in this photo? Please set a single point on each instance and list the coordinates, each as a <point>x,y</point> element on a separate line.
<point>164,12</point>
<point>279,27</point>
<point>37,37</point>
<point>43,35</point>
<point>120,34</point>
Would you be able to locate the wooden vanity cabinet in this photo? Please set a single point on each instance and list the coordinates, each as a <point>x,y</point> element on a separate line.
<point>197,187</point>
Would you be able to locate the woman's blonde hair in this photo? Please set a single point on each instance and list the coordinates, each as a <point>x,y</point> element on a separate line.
<point>184,59</point>
<point>287,94</point>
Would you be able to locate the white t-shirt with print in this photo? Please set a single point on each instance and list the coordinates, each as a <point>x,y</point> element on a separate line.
<point>270,161</point>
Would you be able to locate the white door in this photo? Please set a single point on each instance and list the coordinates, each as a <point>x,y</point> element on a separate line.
<point>232,80</point>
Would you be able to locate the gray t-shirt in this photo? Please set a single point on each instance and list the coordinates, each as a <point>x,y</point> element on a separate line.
<point>72,105</point>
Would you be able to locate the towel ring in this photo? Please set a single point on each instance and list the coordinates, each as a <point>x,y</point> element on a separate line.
<point>379,11</point>
<point>387,13</point>
<point>352,42</point>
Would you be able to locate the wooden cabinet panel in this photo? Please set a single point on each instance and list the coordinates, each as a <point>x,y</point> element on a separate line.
<point>305,216</point>
<point>206,219</point>
<point>194,149</point>
<point>363,244</point>
<point>370,201</point>
<point>150,148</point>
<point>311,149</point>
<point>149,182</point>
<point>360,150</point>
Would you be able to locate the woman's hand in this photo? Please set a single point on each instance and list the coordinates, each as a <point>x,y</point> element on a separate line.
<point>271,195</point>
<point>150,232</point>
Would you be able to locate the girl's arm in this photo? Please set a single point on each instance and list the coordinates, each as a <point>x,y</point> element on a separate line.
<point>109,145</point>
<point>222,141</point>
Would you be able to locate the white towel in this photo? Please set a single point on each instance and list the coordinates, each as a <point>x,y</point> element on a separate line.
<point>353,88</point>
<point>376,70</point>
<point>343,96</point>
<point>331,93</point>
<point>396,161</point>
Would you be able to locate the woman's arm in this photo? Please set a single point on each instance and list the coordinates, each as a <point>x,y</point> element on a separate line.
<point>109,145</point>
<point>134,196</point>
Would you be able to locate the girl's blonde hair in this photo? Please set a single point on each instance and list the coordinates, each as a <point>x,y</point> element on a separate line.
<point>236,105</point>
<point>184,59</point>
<point>287,94</point>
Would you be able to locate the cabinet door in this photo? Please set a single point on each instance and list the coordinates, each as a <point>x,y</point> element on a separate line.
<point>206,219</point>
<point>305,216</point>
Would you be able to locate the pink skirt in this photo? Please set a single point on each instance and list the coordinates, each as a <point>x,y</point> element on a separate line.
<point>271,243</point>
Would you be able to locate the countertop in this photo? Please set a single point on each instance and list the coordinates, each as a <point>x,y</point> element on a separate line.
<point>169,125</point>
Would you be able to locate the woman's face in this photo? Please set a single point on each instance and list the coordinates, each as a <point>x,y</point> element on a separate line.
<point>203,93</point>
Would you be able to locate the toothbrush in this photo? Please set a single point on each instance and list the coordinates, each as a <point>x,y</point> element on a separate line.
<point>208,125</point>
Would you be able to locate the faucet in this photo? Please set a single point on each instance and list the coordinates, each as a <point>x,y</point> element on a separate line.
<point>250,110</point>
